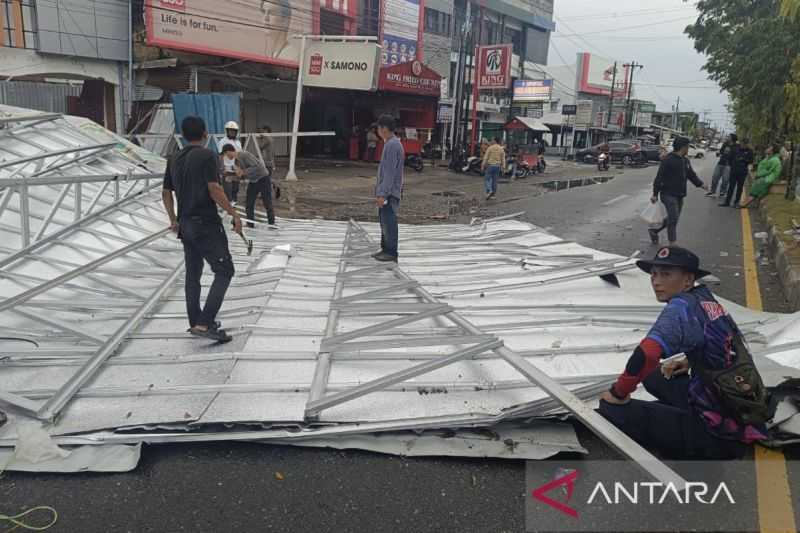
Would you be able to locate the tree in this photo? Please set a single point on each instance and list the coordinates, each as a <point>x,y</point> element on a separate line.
<point>752,51</point>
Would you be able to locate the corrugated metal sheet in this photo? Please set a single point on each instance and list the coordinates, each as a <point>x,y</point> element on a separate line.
<point>48,97</point>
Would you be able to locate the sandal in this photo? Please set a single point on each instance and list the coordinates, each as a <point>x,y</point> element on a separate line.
<point>213,333</point>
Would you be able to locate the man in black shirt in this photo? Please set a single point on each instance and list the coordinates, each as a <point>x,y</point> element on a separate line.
<point>670,186</point>
<point>192,177</point>
<point>740,166</point>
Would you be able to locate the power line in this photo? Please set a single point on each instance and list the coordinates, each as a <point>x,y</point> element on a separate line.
<point>659,23</point>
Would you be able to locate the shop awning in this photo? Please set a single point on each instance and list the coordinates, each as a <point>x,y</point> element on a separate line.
<point>527,123</point>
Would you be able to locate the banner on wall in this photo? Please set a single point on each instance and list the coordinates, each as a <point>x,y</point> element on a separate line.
<point>494,66</point>
<point>255,30</point>
<point>400,31</point>
<point>533,90</point>
<point>596,74</point>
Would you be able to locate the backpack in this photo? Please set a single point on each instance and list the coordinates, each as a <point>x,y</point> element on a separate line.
<point>739,387</point>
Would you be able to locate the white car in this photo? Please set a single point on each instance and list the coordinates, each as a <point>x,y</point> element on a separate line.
<point>696,152</point>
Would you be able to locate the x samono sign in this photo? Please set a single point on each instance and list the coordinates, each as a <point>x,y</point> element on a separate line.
<point>341,65</point>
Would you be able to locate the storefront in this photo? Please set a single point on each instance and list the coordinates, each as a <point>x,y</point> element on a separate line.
<point>409,92</point>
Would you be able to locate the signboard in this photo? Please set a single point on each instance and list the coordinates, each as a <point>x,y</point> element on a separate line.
<point>341,65</point>
<point>445,113</point>
<point>583,116</point>
<point>595,75</point>
<point>647,108</point>
<point>401,25</point>
<point>253,30</point>
<point>410,78</point>
<point>644,120</point>
<point>533,90</point>
<point>494,66</point>
<point>569,110</point>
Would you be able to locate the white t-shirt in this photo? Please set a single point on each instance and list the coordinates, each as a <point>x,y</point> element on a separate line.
<point>229,164</point>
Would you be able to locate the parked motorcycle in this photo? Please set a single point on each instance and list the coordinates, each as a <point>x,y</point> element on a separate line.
<point>472,164</point>
<point>514,168</point>
<point>414,161</point>
<point>603,161</point>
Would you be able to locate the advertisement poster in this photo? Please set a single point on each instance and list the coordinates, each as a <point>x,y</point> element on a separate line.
<point>494,66</point>
<point>246,29</point>
<point>596,74</point>
<point>400,31</point>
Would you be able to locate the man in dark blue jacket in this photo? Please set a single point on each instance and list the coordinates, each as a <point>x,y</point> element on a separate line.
<point>688,420</point>
<point>670,186</point>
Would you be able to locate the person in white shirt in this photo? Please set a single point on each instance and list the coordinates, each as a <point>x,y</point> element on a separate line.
<point>230,181</point>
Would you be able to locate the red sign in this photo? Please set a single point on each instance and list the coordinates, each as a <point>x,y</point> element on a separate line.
<point>412,78</point>
<point>315,65</point>
<point>494,66</point>
<point>178,5</point>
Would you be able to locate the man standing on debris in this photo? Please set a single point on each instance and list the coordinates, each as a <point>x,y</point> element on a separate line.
<point>389,188</point>
<point>191,176</point>
<point>259,182</point>
<point>493,160</point>
<point>670,187</point>
<point>714,412</point>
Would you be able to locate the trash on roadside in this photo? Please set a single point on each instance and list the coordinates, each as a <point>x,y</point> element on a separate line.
<point>761,235</point>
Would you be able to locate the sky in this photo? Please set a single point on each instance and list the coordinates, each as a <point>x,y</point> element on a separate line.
<point>650,33</point>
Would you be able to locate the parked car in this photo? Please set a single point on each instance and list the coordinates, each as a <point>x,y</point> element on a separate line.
<point>652,152</point>
<point>696,152</point>
<point>625,152</point>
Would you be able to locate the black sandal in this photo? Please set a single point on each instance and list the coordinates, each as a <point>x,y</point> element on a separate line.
<point>213,333</point>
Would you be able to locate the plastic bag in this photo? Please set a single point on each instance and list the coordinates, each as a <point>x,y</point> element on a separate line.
<point>654,214</point>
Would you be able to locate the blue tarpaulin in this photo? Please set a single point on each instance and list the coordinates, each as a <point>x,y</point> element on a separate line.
<point>215,108</point>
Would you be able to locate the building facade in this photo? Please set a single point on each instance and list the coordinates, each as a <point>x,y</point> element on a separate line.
<point>77,53</point>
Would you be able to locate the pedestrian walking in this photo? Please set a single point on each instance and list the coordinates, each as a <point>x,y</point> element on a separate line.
<point>228,172</point>
<point>767,173</point>
<point>722,172</point>
<point>389,188</point>
<point>493,160</point>
<point>740,167</point>
<point>670,187</point>
<point>259,182</point>
<point>230,178</point>
<point>192,178</point>
<point>697,416</point>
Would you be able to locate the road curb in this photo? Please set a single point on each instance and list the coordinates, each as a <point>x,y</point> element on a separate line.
<point>788,272</point>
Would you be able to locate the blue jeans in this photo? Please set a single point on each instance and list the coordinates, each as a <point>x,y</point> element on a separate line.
<point>722,174</point>
<point>490,178</point>
<point>387,215</point>
<point>674,205</point>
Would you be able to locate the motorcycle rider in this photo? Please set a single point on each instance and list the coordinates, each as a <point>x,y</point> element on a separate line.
<point>605,152</point>
<point>230,181</point>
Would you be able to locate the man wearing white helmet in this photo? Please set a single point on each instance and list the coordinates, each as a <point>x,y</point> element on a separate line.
<point>230,181</point>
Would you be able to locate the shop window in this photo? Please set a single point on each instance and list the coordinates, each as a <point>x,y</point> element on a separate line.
<point>18,19</point>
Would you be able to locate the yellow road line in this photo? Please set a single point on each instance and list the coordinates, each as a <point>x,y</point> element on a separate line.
<point>775,510</point>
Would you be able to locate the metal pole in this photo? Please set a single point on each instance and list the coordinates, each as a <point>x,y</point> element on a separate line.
<point>130,60</point>
<point>298,99</point>
<point>56,403</point>
<point>24,215</point>
<point>476,68</point>
<point>611,95</point>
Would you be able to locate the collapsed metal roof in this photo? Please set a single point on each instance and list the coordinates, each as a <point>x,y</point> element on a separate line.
<point>480,324</point>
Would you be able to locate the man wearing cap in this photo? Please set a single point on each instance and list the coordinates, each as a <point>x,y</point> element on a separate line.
<point>687,420</point>
<point>670,186</point>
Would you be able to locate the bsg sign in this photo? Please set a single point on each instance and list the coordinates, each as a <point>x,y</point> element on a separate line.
<point>494,66</point>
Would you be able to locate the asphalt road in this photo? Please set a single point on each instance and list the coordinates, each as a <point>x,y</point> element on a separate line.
<point>236,486</point>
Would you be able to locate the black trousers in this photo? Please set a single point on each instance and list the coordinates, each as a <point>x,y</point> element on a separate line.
<point>736,183</point>
<point>669,424</point>
<point>205,240</point>
<point>264,188</point>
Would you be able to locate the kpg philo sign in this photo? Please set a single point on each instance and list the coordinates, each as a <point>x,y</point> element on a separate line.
<point>494,66</point>
<point>341,65</point>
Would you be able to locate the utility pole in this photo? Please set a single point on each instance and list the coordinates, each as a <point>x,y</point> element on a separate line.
<point>458,90</point>
<point>611,95</point>
<point>632,66</point>
<point>676,114</point>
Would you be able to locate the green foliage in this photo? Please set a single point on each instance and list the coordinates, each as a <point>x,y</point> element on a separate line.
<point>752,50</point>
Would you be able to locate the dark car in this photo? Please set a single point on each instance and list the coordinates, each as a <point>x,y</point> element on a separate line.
<point>625,152</point>
<point>652,152</point>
